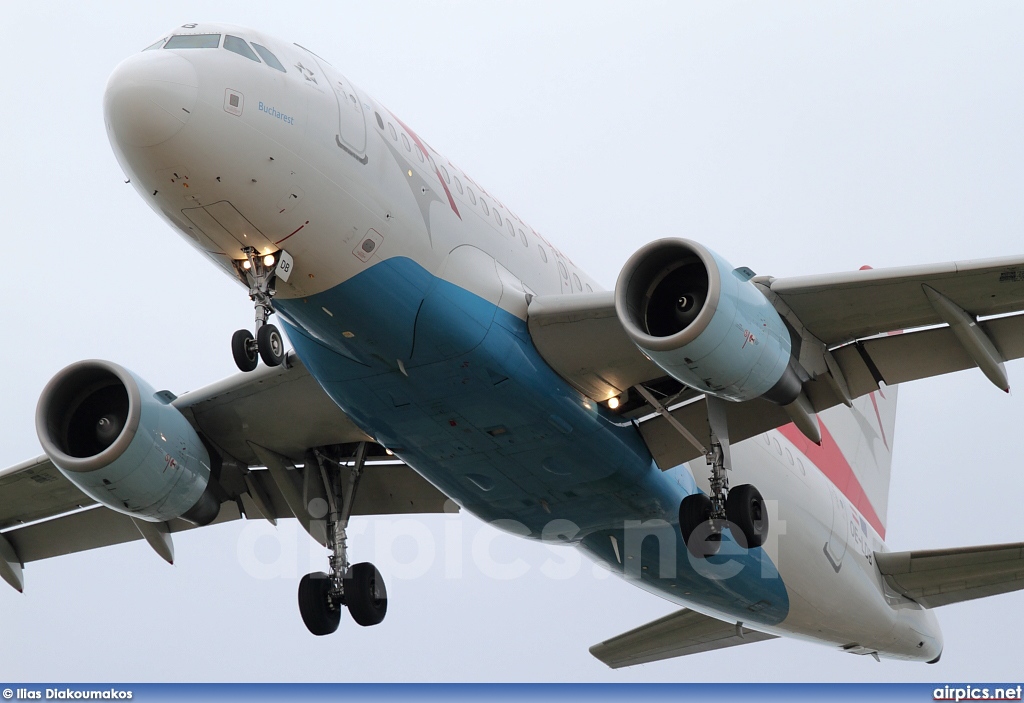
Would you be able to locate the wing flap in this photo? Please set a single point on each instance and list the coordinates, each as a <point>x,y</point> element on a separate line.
<point>943,576</point>
<point>745,420</point>
<point>899,358</point>
<point>677,635</point>
<point>86,529</point>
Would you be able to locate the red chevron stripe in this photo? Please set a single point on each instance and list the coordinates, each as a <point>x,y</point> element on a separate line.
<point>830,461</point>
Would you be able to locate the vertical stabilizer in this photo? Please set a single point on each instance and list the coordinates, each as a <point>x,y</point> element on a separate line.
<point>865,436</point>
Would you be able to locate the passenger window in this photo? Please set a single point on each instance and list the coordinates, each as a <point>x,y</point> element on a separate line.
<point>576,282</point>
<point>419,153</point>
<point>193,41</point>
<point>394,134</point>
<point>543,254</point>
<point>458,184</point>
<point>268,57</point>
<point>589,289</point>
<point>239,46</point>
<point>789,455</point>
<point>778,447</point>
<point>444,172</point>
<point>497,216</point>
<point>523,237</point>
<point>157,45</point>
<point>561,270</point>
<point>511,229</point>
<point>380,122</point>
<point>472,195</point>
<point>405,143</point>
<point>483,204</point>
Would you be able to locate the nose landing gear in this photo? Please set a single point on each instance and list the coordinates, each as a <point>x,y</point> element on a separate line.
<point>259,272</point>
<point>359,587</point>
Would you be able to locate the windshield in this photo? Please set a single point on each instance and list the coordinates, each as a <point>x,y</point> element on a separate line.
<point>268,57</point>
<point>239,46</point>
<point>193,41</point>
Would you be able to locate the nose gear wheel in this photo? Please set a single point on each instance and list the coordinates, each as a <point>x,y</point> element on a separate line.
<point>267,343</point>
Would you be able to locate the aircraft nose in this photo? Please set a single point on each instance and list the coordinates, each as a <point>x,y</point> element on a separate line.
<point>149,98</point>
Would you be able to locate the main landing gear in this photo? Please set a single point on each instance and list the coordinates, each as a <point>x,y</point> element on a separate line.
<point>702,518</point>
<point>358,587</point>
<point>259,273</point>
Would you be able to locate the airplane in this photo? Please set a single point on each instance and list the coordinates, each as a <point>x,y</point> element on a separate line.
<point>719,438</point>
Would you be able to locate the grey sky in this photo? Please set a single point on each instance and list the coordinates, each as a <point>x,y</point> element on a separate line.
<point>801,138</point>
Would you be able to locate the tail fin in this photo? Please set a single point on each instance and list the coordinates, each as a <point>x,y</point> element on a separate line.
<point>865,435</point>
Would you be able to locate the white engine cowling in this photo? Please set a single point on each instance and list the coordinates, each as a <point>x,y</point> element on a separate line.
<point>705,324</point>
<point>126,447</point>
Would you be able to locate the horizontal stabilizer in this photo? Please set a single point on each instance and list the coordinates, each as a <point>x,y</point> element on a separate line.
<point>943,576</point>
<point>676,635</point>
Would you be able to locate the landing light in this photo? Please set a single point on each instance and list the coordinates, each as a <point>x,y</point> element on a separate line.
<point>613,402</point>
<point>268,260</point>
<point>389,452</point>
<point>247,264</point>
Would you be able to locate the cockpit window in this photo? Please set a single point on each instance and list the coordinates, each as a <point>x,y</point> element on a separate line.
<point>193,41</point>
<point>155,45</point>
<point>239,47</point>
<point>268,56</point>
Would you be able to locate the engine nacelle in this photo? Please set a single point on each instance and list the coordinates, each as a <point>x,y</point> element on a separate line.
<point>111,435</point>
<point>705,324</point>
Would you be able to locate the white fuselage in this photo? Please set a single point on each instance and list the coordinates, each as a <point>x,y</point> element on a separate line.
<point>233,153</point>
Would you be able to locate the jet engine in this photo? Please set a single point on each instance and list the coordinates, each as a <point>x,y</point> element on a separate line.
<point>705,324</point>
<point>124,445</point>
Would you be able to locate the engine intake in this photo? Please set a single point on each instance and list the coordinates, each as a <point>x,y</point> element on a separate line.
<point>705,324</point>
<point>110,434</point>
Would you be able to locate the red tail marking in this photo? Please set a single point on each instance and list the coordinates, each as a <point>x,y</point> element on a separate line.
<point>830,460</point>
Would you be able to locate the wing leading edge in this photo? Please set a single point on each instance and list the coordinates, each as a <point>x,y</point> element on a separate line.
<point>847,322</point>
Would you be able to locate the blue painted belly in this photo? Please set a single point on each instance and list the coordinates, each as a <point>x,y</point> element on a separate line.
<point>455,388</point>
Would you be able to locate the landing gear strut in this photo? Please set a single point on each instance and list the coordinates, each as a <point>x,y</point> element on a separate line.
<point>359,587</point>
<point>703,517</point>
<point>259,273</point>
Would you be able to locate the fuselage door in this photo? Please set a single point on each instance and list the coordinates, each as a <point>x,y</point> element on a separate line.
<point>351,121</point>
<point>835,548</point>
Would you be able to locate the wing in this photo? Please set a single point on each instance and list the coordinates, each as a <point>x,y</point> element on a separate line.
<point>676,635</point>
<point>943,576</point>
<point>262,423</point>
<point>950,317</point>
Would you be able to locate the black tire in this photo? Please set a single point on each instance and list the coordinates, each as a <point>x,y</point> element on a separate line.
<point>702,536</point>
<point>365,594</point>
<point>318,613</point>
<point>245,356</point>
<point>271,345</point>
<point>746,511</point>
